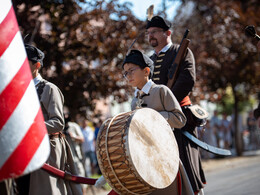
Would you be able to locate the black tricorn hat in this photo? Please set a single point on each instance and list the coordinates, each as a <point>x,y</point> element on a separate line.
<point>158,21</point>
<point>138,58</point>
<point>34,54</point>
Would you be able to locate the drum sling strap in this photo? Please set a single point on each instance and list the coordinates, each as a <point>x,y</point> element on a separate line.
<point>205,146</point>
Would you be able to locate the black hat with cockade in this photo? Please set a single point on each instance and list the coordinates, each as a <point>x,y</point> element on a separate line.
<point>158,21</point>
<point>34,54</point>
<point>138,58</point>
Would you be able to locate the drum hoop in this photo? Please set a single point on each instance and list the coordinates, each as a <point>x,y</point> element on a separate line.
<point>108,157</point>
<point>98,157</point>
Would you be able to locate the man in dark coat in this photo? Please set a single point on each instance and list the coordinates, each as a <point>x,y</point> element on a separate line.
<point>159,37</point>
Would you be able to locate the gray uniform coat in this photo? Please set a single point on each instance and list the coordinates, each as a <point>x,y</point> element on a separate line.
<point>161,99</point>
<point>41,183</point>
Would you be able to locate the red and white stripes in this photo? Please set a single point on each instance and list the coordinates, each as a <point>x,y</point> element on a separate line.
<point>24,143</point>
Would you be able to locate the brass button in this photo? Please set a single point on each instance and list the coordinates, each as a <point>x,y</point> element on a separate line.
<point>161,55</point>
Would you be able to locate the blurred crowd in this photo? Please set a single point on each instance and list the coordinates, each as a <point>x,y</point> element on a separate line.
<point>82,140</point>
<point>220,132</point>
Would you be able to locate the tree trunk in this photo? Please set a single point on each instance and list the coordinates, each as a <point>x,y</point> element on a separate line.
<point>237,132</point>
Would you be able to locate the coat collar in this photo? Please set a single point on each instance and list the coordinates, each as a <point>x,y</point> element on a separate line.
<point>37,79</point>
<point>165,49</point>
<point>146,88</point>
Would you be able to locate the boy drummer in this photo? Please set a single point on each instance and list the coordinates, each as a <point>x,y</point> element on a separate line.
<point>138,69</point>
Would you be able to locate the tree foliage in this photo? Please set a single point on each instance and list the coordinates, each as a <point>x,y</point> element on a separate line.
<point>84,43</point>
<point>225,56</point>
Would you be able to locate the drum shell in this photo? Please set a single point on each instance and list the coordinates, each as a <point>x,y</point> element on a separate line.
<point>123,176</point>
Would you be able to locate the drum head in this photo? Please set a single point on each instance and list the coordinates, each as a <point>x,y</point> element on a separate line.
<point>152,148</point>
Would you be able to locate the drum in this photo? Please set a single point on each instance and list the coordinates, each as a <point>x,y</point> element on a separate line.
<point>137,152</point>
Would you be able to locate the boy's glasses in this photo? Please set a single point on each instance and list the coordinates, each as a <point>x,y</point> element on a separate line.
<point>129,72</point>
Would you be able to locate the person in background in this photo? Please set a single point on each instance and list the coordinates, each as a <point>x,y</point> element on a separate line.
<point>257,115</point>
<point>75,138</point>
<point>215,126</point>
<point>257,110</point>
<point>226,128</point>
<point>240,129</point>
<point>252,128</point>
<point>88,148</point>
<point>97,127</point>
<point>210,138</point>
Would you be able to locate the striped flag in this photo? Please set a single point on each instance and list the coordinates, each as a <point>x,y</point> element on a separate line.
<point>24,142</point>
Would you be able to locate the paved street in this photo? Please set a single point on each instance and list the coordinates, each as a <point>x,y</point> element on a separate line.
<point>238,176</point>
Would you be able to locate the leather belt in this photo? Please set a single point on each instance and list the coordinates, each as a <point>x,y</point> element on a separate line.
<point>56,135</point>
